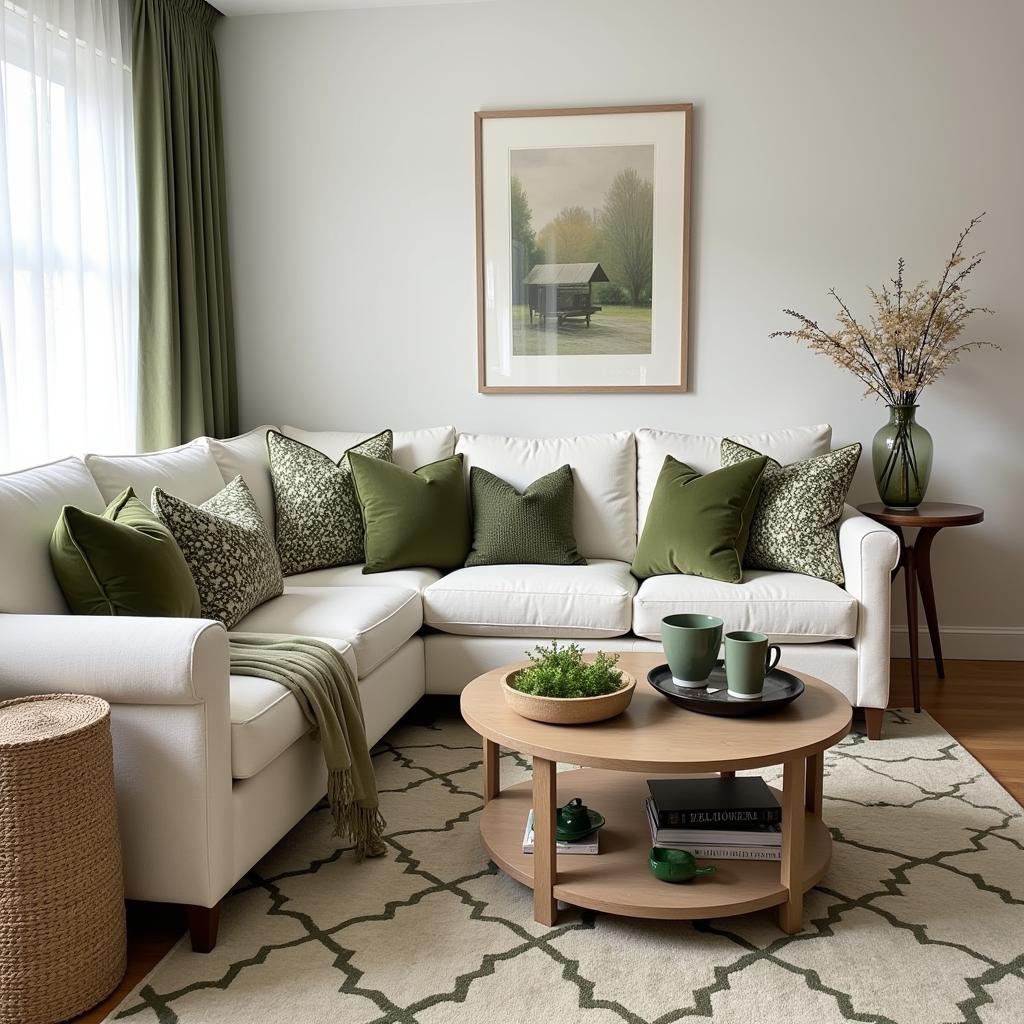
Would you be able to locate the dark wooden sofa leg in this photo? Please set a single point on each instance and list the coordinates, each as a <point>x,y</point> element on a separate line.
<point>873,717</point>
<point>202,927</point>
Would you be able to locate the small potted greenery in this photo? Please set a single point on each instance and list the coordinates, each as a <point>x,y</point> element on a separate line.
<point>562,687</point>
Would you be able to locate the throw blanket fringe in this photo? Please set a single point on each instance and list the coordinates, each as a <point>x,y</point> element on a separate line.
<point>328,695</point>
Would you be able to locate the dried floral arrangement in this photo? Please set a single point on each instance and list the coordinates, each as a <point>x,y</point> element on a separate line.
<point>910,339</point>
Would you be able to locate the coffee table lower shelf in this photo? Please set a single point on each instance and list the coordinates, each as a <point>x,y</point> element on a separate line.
<point>617,880</point>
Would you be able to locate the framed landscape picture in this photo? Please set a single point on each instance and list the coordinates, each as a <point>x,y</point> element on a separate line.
<point>583,227</point>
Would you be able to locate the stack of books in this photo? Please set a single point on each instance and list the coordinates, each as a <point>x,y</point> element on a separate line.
<point>588,844</point>
<point>723,819</point>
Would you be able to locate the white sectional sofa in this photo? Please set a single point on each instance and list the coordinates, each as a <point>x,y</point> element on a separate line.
<point>213,769</point>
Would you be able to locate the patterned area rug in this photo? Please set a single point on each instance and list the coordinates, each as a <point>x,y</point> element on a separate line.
<point>920,919</point>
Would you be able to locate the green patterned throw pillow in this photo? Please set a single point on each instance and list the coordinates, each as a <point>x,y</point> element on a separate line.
<point>529,528</point>
<point>319,523</point>
<point>228,548</point>
<point>796,522</point>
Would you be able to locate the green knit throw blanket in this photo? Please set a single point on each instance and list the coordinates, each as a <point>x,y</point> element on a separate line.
<point>328,695</point>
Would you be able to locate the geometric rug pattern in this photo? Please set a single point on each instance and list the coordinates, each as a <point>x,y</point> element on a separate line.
<point>920,919</point>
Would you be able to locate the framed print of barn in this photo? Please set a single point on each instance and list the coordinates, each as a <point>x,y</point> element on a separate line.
<point>583,230</point>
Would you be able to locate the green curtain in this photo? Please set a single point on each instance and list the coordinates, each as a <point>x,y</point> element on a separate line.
<point>187,381</point>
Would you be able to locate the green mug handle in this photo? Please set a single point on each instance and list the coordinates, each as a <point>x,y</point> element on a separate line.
<point>774,657</point>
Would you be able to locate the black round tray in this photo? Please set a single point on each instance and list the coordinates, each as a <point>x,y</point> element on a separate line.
<point>780,689</point>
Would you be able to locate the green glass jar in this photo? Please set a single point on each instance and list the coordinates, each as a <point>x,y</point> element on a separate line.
<point>902,457</point>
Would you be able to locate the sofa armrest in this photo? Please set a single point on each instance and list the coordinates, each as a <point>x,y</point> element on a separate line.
<point>122,659</point>
<point>168,685</point>
<point>869,552</point>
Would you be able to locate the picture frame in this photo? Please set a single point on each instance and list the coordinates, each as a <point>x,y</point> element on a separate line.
<point>583,248</point>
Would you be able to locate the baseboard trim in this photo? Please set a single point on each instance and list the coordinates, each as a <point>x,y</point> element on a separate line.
<point>976,643</point>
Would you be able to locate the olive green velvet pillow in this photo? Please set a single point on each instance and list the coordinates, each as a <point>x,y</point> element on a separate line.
<point>529,528</point>
<point>699,525</point>
<point>124,562</point>
<point>412,519</point>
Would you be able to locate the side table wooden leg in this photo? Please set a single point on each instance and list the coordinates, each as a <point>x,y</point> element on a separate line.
<point>923,562</point>
<point>794,797</point>
<point>727,775</point>
<point>910,579</point>
<point>815,784</point>
<point>544,908</point>
<point>492,771</point>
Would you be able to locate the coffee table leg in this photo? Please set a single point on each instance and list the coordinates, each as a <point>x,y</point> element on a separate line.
<point>492,771</point>
<point>815,783</point>
<point>544,908</point>
<point>794,798</point>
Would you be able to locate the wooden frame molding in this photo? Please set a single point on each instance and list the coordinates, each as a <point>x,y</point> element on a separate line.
<point>650,108</point>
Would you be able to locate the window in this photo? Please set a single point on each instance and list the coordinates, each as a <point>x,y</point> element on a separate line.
<point>68,235</point>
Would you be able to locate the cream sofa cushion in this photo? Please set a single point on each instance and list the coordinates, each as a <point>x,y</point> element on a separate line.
<point>352,576</point>
<point>376,621</point>
<point>246,456</point>
<point>266,719</point>
<point>187,472</point>
<point>604,473</point>
<point>30,503</point>
<point>533,600</point>
<point>702,453</point>
<point>789,607</point>
<point>412,448</point>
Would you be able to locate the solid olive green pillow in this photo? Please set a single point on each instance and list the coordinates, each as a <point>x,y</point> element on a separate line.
<point>529,528</point>
<point>699,525</point>
<point>412,519</point>
<point>124,562</point>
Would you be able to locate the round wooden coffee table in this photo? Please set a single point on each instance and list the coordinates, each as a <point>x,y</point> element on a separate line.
<point>654,737</point>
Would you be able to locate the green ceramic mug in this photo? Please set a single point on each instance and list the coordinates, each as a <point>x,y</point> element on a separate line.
<point>748,658</point>
<point>691,645</point>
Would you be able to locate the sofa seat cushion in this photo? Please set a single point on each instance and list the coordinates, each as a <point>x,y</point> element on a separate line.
<point>789,607</point>
<point>352,576</point>
<point>545,601</point>
<point>266,719</point>
<point>376,621</point>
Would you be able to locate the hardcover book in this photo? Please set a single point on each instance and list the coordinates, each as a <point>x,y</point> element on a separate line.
<point>714,803</point>
<point>717,851</point>
<point>763,835</point>
<point>588,844</point>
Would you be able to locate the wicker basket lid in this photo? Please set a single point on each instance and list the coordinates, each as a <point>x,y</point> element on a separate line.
<point>49,716</point>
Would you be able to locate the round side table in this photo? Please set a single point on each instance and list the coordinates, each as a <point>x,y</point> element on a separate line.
<point>915,561</point>
<point>62,928</point>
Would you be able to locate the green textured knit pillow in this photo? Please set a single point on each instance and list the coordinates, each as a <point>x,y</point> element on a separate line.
<point>412,519</point>
<point>796,522</point>
<point>228,548</point>
<point>124,562</point>
<point>318,519</point>
<point>698,525</point>
<point>529,528</point>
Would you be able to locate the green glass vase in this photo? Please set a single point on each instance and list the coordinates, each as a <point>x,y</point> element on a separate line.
<point>902,457</point>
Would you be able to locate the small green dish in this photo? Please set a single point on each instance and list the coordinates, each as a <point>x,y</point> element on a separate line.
<point>575,820</point>
<point>675,865</point>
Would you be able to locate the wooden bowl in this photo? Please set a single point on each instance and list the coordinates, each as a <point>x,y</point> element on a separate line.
<point>567,710</point>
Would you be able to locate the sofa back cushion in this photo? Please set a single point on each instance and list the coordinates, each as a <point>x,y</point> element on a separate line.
<point>412,448</point>
<point>31,502</point>
<point>702,452</point>
<point>246,456</point>
<point>604,471</point>
<point>188,472</point>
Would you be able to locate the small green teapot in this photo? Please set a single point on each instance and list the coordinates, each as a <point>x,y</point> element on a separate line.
<point>675,865</point>
<point>575,820</point>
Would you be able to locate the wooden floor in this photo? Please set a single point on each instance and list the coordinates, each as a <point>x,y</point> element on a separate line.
<point>981,703</point>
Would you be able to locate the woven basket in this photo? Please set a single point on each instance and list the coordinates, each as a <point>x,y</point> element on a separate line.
<point>62,933</point>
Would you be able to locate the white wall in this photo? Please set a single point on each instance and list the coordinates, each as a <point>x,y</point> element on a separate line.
<point>830,139</point>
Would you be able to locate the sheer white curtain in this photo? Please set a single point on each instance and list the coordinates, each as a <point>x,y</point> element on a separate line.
<point>68,231</point>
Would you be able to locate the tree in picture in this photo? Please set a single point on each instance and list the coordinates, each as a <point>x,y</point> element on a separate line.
<point>582,280</point>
